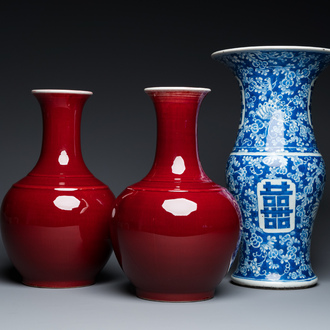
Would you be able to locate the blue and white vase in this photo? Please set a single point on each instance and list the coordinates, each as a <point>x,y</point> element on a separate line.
<point>275,171</point>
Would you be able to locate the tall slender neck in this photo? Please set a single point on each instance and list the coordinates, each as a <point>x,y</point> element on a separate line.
<point>61,150</point>
<point>177,152</point>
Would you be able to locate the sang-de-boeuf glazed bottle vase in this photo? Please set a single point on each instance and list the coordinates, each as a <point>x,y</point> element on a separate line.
<point>175,232</point>
<point>55,221</point>
<point>275,171</point>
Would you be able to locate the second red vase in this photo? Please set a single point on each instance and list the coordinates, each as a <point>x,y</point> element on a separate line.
<point>175,232</point>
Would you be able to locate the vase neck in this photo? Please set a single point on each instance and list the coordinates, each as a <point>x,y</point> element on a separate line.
<point>276,88</point>
<point>61,150</point>
<point>176,156</point>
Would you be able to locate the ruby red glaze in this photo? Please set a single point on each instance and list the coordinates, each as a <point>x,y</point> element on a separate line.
<point>175,232</point>
<point>54,222</point>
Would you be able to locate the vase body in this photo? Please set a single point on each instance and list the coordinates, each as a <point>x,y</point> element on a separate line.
<point>275,170</point>
<point>175,232</point>
<point>54,222</point>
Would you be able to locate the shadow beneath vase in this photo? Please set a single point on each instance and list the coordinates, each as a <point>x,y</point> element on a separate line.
<point>9,274</point>
<point>107,275</point>
<point>126,288</point>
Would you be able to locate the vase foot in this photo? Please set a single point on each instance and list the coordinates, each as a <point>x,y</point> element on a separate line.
<point>262,284</point>
<point>174,297</point>
<point>58,284</point>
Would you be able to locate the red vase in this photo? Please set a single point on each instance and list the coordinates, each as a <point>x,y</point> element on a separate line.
<point>54,222</point>
<point>175,232</point>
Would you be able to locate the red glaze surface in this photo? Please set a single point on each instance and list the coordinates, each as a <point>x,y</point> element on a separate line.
<point>54,222</point>
<point>175,232</point>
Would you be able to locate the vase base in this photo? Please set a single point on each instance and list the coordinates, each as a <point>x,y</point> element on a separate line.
<point>175,297</point>
<point>58,284</point>
<point>261,284</point>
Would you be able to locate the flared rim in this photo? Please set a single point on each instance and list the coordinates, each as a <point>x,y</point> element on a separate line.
<point>61,91</point>
<point>178,89</point>
<point>269,48</point>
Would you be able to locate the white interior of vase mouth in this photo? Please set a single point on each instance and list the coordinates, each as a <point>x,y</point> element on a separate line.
<point>61,91</point>
<point>178,89</point>
<point>270,48</point>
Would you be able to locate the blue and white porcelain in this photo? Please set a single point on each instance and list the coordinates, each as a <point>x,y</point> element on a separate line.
<point>275,170</point>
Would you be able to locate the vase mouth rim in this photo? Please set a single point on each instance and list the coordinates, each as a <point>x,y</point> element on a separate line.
<point>61,91</point>
<point>177,89</point>
<point>269,48</point>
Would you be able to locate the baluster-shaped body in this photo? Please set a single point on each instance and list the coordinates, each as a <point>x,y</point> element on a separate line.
<point>275,171</point>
